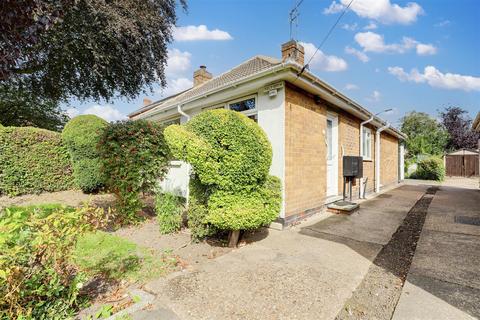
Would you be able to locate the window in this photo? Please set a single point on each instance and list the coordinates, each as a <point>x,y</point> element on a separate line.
<point>170,121</point>
<point>247,106</point>
<point>367,144</point>
<point>329,139</point>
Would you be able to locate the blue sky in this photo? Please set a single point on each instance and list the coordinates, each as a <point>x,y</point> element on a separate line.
<point>403,55</point>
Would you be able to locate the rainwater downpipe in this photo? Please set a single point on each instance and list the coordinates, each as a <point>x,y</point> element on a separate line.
<point>362,186</point>
<point>377,156</point>
<point>179,109</point>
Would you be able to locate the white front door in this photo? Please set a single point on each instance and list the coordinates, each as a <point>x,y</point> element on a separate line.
<point>332,154</point>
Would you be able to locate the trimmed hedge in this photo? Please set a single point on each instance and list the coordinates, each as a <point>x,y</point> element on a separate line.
<point>169,208</point>
<point>81,136</point>
<point>430,169</point>
<point>134,157</point>
<point>231,157</point>
<point>33,160</point>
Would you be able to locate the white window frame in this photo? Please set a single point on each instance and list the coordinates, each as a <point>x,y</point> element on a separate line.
<point>367,154</point>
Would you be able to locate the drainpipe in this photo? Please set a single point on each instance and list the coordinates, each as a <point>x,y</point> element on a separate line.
<point>362,186</point>
<point>377,156</point>
<point>179,109</point>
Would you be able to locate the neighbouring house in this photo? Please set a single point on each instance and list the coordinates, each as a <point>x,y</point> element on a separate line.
<point>310,124</point>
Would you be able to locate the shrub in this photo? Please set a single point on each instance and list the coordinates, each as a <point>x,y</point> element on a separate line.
<point>37,280</point>
<point>33,160</point>
<point>134,156</point>
<point>81,136</point>
<point>169,209</point>
<point>430,169</point>
<point>226,148</point>
<point>231,157</point>
<point>244,210</point>
<point>197,211</point>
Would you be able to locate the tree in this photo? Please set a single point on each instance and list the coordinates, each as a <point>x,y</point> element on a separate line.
<point>85,48</point>
<point>20,108</point>
<point>424,134</point>
<point>459,126</point>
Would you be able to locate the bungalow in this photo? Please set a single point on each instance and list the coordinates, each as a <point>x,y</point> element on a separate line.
<point>310,124</point>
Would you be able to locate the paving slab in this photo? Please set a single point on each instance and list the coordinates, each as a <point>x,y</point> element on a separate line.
<point>376,220</point>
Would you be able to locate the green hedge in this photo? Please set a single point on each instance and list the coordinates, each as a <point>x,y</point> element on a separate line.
<point>134,158</point>
<point>33,160</point>
<point>430,169</point>
<point>231,157</point>
<point>169,209</point>
<point>81,136</point>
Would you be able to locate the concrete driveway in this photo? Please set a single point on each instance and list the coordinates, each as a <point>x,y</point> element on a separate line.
<point>444,279</point>
<point>342,267</point>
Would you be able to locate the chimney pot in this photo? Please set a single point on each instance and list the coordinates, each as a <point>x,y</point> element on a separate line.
<point>294,51</point>
<point>201,76</point>
<point>146,101</point>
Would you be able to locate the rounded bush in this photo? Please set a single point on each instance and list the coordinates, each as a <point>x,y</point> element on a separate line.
<point>134,156</point>
<point>81,136</point>
<point>231,157</point>
<point>226,148</point>
<point>231,210</point>
<point>33,160</point>
<point>430,169</point>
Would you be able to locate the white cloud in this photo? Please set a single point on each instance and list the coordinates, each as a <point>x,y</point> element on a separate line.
<point>357,53</point>
<point>373,42</point>
<point>371,26</point>
<point>437,79</point>
<point>443,23</point>
<point>176,85</point>
<point>375,96</point>
<point>350,27</point>
<point>177,62</point>
<point>426,49</point>
<point>72,112</point>
<point>351,86</point>
<point>107,112</point>
<point>201,32</point>
<point>379,10</point>
<point>321,61</point>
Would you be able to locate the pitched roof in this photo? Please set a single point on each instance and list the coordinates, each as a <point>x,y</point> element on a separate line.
<point>245,69</point>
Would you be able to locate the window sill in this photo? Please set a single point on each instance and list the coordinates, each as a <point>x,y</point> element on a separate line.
<point>367,160</point>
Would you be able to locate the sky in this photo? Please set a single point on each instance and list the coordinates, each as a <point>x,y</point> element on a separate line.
<point>384,54</point>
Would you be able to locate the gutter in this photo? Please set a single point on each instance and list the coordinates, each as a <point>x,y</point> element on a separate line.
<point>377,156</point>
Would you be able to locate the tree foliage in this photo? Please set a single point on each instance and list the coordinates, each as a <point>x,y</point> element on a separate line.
<point>85,48</point>
<point>459,126</point>
<point>21,108</point>
<point>134,157</point>
<point>424,134</point>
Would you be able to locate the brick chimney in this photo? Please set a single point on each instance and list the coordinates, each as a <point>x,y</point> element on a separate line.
<point>201,76</point>
<point>294,51</point>
<point>146,101</point>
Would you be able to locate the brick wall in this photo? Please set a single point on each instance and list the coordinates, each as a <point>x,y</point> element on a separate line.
<point>349,145</point>
<point>389,159</point>
<point>305,152</point>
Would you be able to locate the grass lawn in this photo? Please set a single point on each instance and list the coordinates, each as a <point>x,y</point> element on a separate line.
<point>117,258</point>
